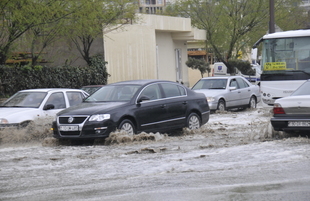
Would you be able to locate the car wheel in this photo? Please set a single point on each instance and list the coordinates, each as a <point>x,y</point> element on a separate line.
<point>252,103</point>
<point>127,126</point>
<point>193,121</point>
<point>221,105</point>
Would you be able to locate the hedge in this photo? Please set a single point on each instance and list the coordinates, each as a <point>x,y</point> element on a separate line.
<point>13,79</point>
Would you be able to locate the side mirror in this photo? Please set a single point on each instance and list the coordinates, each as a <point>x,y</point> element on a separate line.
<point>232,88</point>
<point>143,98</point>
<point>48,107</point>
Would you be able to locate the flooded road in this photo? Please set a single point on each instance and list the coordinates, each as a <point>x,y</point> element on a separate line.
<point>232,157</point>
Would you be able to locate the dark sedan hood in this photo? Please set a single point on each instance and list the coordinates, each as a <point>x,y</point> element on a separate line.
<point>91,108</point>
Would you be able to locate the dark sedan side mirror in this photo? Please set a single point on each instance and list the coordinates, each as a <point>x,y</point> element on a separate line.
<point>48,107</point>
<point>143,98</point>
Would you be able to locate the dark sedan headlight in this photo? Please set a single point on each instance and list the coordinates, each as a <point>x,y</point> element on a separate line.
<point>99,117</point>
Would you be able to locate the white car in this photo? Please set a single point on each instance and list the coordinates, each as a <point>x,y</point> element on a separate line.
<point>292,113</point>
<point>30,105</point>
<point>228,92</point>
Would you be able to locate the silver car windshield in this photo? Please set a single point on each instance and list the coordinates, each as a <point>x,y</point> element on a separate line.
<point>304,89</point>
<point>25,99</point>
<point>211,84</point>
<point>114,93</point>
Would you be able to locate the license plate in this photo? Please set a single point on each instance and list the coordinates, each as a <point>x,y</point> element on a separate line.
<point>69,128</point>
<point>299,123</point>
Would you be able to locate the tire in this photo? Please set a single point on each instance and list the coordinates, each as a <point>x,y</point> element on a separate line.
<point>127,126</point>
<point>221,106</point>
<point>252,103</point>
<point>193,121</point>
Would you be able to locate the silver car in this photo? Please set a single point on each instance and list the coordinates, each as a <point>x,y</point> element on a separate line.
<point>228,92</point>
<point>292,113</point>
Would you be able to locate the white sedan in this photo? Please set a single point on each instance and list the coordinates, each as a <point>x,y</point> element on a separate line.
<point>31,105</point>
<point>228,92</point>
<point>292,113</point>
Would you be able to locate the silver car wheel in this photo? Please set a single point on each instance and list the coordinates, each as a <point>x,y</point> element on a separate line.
<point>127,126</point>
<point>193,121</point>
<point>221,105</point>
<point>252,103</point>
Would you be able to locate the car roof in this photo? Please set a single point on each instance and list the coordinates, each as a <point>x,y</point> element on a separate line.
<point>139,82</point>
<point>93,86</point>
<point>222,77</point>
<point>49,90</point>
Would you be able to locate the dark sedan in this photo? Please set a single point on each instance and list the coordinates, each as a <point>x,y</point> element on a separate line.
<point>133,106</point>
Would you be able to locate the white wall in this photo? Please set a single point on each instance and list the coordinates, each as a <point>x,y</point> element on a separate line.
<point>146,50</point>
<point>131,53</point>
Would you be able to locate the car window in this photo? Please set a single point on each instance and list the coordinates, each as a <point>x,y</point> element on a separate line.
<point>182,90</point>
<point>57,99</point>
<point>114,93</point>
<point>152,92</point>
<point>304,89</point>
<point>75,98</point>
<point>172,90</point>
<point>125,93</point>
<point>210,84</point>
<point>233,83</point>
<point>26,99</point>
<point>242,83</point>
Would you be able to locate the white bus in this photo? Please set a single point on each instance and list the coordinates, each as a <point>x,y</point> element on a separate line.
<point>285,63</point>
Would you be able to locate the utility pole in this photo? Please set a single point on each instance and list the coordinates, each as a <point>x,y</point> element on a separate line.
<point>271,15</point>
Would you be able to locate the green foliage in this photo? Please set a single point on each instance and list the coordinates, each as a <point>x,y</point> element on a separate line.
<point>19,16</point>
<point>198,64</point>
<point>233,26</point>
<point>33,25</point>
<point>13,79</point>
<point>243,66</point>
<point>95,18</point>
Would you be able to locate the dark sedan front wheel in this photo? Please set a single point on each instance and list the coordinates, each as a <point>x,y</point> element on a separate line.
<point>193,121</point>
<point>127,126</point>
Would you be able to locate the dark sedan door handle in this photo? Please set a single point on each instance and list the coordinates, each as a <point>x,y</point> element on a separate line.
<point>163,106</point>
<point>184,103</point>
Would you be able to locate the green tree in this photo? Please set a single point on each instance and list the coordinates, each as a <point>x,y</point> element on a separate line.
<point>243,66</point>
<point>198,64</point>
<point>94,19</point>
<point>51,26</point>
<point>19,16</point>
<point>234,25</point>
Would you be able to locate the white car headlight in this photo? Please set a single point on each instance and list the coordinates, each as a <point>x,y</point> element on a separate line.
<point>210,99</point>
<point>4,121</point>
<point>99,117</point>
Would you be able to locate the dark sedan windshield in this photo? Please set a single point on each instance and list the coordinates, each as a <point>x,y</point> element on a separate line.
<point>211,84</point>
<point>114,93</point>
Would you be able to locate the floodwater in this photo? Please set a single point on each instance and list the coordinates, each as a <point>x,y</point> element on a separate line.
<point>232,157</point>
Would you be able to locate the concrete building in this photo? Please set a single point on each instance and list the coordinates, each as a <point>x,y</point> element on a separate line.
<point>151,6</point>
<point>153,48</point>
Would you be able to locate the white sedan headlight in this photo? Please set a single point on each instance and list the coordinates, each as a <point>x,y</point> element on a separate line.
<point>4,121</point>
<point>210,99</point>
<point>99,117</point>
